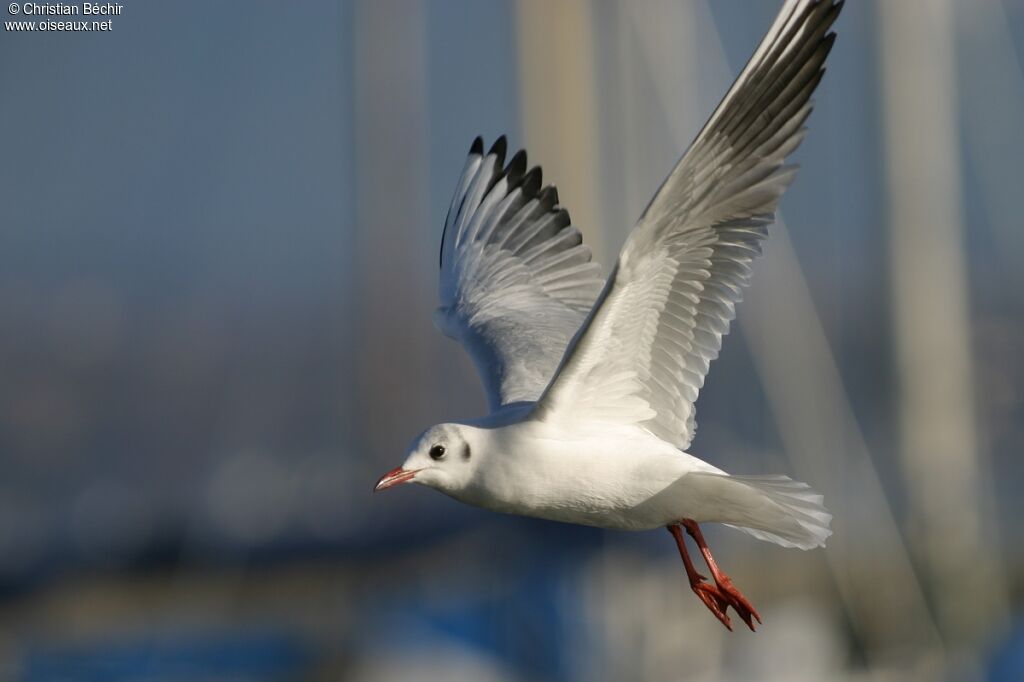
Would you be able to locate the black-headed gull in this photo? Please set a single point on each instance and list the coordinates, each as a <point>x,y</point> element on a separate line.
<point>592,383</point>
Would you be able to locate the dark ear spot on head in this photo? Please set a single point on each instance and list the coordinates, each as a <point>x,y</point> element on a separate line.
<point>465,451</point>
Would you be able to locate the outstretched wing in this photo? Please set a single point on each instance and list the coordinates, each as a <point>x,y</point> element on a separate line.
<point>645,349</point>
<point>516,279</point>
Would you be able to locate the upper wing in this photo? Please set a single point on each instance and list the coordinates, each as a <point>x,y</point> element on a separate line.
<point>645,348</point>
<point>516,279</point>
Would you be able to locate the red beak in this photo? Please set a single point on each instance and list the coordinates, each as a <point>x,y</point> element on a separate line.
<point>396,476</point>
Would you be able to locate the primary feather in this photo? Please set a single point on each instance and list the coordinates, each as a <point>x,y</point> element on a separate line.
<point>516,280</point>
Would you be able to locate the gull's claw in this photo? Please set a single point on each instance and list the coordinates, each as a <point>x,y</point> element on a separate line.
<point>730,594</point>
<point>714,600</point>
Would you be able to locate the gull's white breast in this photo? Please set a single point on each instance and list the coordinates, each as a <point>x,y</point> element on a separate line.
<point>613,478</point>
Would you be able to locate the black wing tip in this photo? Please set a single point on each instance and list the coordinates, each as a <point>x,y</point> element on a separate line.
<point>531,181</point>
<point>477,147</point>
<point>499,148</point>
<point>549,193</point>
<point>833,12</point>
<point>548,198</point>
<point>518,160</point>
<point>516,167</point>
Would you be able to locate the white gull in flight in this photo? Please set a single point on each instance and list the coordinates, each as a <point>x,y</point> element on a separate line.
<point>592,383</point>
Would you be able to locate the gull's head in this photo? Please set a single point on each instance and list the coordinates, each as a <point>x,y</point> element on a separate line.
<point>442,457</point>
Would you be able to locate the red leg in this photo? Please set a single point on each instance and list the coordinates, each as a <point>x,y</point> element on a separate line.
<point>725,586</point>
<point>709,594</point>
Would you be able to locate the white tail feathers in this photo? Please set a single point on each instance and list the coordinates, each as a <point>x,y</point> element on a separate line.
<point>774,508</point>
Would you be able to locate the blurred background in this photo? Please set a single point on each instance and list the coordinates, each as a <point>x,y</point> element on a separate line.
<point>219,226</point>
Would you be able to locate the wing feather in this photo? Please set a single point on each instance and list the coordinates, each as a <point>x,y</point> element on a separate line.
<point>516,279</point>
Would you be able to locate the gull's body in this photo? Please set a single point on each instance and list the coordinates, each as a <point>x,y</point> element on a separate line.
<point>592,383</point>
<point>605,476</point>
<point>535,469</point>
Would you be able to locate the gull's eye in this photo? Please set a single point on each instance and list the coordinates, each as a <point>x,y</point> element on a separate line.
<point>437,452</point>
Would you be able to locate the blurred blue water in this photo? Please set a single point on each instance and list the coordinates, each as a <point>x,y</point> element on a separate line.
<point>185,656</point>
